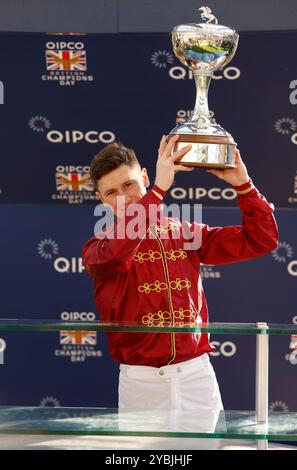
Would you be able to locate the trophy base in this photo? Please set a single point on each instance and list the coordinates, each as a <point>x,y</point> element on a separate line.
<point>207,151</point>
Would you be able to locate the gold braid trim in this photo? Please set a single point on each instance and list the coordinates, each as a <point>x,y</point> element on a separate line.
<point>163,318</point>
<point>153,256</point>
<point>158,286</point>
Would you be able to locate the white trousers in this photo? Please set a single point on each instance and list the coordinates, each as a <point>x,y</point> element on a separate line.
<point>188,385</point>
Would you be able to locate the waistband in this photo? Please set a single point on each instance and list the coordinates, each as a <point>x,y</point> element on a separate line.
<point>178,369</point>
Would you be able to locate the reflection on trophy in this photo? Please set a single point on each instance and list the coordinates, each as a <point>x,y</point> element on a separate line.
<point>204,48</point>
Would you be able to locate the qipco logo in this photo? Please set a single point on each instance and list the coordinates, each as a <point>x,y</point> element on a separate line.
<point>2,349</point>
<point>65,45</point>
<point>227,349</point>
<point>292,267</point>
<point>293,94</point>
<point>68,265</point>
<point>72,168</point>
<point>75,136</point>
<point>199,193</point>
<point>292,357</point>
<point>78,316</point>
<point>179,73</point>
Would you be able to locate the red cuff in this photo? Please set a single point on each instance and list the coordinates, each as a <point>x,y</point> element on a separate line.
<point>159,190</point>
<point>244,186</point>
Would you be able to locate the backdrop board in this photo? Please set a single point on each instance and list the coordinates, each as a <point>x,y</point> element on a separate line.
<point>63,98</point>
<point>42,277</point>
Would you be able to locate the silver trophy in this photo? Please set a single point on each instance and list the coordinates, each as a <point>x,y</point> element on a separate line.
<point>204,48</point>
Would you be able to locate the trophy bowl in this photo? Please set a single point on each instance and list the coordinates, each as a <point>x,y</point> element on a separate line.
<point>204,48</point>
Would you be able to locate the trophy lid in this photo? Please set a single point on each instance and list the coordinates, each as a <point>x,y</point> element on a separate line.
<point>204,47</point>
<point>204,28</point>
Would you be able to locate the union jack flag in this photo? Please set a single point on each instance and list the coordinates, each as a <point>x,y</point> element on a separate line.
<point>78,337</point>
<point>74,182</point>
<point>66,60</point>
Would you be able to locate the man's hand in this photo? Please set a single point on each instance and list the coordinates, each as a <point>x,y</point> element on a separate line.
<point>234,176</point>
<point>166,168</point>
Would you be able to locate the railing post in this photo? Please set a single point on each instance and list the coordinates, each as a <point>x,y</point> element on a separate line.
<point>262,365</point>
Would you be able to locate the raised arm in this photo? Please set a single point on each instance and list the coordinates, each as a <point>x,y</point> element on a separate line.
<point>258,234</point>
<point>107,253</point>
<point>112,251</point>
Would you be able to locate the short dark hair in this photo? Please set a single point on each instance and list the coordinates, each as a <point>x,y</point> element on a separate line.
<point>110,158</point>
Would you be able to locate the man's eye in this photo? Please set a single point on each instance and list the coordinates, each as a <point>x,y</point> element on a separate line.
<point>129,184</point>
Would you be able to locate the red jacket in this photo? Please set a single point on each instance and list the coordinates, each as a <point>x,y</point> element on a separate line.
<point>155,281</point>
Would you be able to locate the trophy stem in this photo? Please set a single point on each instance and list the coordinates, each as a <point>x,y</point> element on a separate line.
<point>201,114</point>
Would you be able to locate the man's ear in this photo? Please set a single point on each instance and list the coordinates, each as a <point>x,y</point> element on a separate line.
<point>145,178</point>
<point>98,196</point>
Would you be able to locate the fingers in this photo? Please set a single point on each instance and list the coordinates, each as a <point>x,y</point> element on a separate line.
<point>166,147</point>
<point>181,152</point>
<point>237,156</point>
<point>183,168</point>
<point>169,147</point>
<point>162,145</point>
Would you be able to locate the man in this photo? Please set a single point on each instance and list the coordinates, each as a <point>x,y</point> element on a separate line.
<point>153,279</point>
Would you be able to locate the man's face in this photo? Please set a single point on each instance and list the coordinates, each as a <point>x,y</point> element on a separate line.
<point>122,187</point>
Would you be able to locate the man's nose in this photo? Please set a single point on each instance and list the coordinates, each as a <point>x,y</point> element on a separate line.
<point>121,201</point>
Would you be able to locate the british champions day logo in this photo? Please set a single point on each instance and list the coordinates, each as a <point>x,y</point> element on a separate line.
<point>66,63</point>
<point>73,184</point>
<point>78,345</point>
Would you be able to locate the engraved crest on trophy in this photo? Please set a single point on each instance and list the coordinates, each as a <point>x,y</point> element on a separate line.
<point>204,48</point>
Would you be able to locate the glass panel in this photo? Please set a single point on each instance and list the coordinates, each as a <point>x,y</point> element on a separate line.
<point>240,328</point>
<point>103,421</point>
